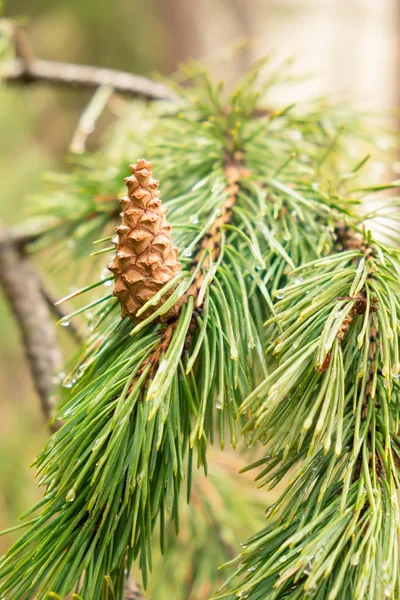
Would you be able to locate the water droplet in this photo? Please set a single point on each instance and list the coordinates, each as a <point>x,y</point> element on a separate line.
<point>283,558</point>
<point>194,219</point>
<point>388,590</point>
<point>396,371</point>
<point>64,323</point>
<point>70,497</point>
<point>355,560</point>
<point>219,402</point>
<point>104,274</point>
<point>80,370</point>
<point>251,569</point>
<point>69,382</point>
<point>280,294</point>
<point>187,253</point>
<point>309,566</point>
<point>243,594</point>
<point>250,344</point>
<point>243,545</point>
<point>298,281</point>
<point>97,443</point>
<point>217,212</point>
<point>108,283</point>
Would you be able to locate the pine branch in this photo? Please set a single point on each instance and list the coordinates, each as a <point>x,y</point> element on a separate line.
<point>331,411</point>
<point>148,397</point>
<point>27,69</point>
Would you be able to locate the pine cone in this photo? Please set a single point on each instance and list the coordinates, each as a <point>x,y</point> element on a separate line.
<point>146,257</point>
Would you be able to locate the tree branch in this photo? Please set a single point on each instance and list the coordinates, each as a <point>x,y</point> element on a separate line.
<point>37,70</point>
<point>23,291</point>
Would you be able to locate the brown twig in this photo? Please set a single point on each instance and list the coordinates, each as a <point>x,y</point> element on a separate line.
<point>234,170</point>
<point>23,291</point>
<point>89,118</point>
<point>84,76</point>
<point>18,237</point>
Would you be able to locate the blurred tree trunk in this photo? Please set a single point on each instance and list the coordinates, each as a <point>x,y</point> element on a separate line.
<point>181,20</point>
<point>200,28</point>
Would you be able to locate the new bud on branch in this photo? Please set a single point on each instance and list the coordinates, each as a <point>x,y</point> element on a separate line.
<point>146,256</point>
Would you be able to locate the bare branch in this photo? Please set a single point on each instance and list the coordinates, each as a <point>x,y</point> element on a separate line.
<point>37,70</point>
<point>89,118</point>
<point>23,291</point>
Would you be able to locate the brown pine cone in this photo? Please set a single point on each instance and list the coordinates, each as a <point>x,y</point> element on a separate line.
<point>146,256</point>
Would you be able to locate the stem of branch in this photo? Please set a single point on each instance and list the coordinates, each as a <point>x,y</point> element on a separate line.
<point>23,290</point>
<point>38,70</point>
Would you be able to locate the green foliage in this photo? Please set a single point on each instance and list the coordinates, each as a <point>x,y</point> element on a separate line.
<point>331,411</point>
<point>133,428</point>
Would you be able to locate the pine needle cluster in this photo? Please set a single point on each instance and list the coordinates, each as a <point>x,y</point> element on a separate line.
<point>266,214</point>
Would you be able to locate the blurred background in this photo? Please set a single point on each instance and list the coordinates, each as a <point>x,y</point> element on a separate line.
<point>350,49</point>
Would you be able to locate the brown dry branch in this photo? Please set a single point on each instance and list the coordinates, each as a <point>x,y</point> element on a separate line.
<point>23,290</point>
<point>84,76</point>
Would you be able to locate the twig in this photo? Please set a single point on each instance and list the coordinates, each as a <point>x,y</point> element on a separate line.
<point>23,290</point>
<point>60,314</point>
<point>89,118</point>
<point>19,237</point>
<point>23,46</point>
<point>84,76</point>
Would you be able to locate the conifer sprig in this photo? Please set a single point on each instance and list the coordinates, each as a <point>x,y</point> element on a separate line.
<point>146,399</point>
<point>330,410</point>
